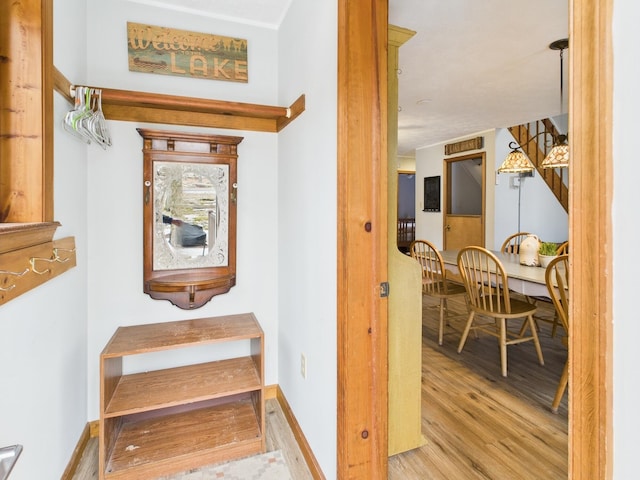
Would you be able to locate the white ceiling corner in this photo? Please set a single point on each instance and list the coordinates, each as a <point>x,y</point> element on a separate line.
<point>261,13</point>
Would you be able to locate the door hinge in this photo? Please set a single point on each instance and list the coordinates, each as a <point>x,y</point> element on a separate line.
<point>384,289</point>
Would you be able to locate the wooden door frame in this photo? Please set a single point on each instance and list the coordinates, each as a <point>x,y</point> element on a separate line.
<point>446,191</point>
<point>591,188</point>
<point>362,240</point>
<point>362,374</point>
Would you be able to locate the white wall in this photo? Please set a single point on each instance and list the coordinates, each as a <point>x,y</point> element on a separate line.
<point>406,163</point>
<point>286,205</point>
<point>626,231</point>
<point>540,212</point>
<point>43,398</point>
<point>114,199</point>
<point>307,224</point>
<point>53,335</point>
<point>429,163</point>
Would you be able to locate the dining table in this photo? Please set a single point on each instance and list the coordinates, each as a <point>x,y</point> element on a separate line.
<point>523,279</point>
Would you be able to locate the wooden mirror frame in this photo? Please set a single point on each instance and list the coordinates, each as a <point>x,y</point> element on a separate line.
<point>187,288</point>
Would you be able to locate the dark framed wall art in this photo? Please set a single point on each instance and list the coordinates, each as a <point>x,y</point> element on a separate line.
<point>431,194</point>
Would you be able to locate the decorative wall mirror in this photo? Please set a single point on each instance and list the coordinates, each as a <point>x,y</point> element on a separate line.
<point>189,200</point>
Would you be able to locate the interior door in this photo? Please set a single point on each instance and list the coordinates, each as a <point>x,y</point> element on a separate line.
<point>464,204</point>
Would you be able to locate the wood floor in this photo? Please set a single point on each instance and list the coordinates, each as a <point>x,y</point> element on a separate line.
<point>279,437</point>
<point>479,425</point>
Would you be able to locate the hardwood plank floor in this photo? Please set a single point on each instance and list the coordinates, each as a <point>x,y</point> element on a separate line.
<point>279,437</point>
<point>479,425</point>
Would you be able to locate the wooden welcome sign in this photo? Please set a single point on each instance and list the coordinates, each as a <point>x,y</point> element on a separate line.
<point>168,51</point>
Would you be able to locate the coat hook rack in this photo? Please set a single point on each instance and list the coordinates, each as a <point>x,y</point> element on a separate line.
<point>54,258</point>
<point>33,261</point>
<point>13,274</point>
<point>57,257</point>
<point>24,269</point>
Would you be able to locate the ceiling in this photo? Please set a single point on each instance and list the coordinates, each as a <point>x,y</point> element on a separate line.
<point>471,66</point>
<point>263,13</point>
<point>476,65</point>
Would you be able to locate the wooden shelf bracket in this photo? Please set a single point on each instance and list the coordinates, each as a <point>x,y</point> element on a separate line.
<point>127,105</point>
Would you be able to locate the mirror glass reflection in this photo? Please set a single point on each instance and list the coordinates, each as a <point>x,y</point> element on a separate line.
<point>191,215</point>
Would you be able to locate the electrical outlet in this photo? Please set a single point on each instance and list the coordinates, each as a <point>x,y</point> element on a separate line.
<point>303,365</point>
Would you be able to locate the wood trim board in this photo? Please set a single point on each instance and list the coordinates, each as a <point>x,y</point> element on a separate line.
<point>298,434</point>
<point>362,240</point>
<point>590,200</point>
<point>74,461</point>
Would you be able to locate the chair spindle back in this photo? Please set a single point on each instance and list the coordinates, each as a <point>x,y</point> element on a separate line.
<point>557,280</point>
<point>485,279</point>
<point>512,243</point>
<point>433,273</point>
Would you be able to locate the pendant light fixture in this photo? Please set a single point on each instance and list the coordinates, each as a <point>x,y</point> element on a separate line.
<point>558,156</point>
<point>516,161</point>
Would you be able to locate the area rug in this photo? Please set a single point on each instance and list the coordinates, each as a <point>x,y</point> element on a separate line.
<point>267,466</point>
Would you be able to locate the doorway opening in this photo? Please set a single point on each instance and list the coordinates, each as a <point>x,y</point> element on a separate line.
<point>406,210</point>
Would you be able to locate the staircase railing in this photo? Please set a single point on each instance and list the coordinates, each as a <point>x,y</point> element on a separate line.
<point>537,150</point>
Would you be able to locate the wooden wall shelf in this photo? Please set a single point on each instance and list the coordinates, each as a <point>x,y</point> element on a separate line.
<point>163,421</point>
<point>126,105</point>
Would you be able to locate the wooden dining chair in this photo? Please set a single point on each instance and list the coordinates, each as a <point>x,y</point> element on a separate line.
<point>434,282</point>
<point>512,242</point>
<point>557,280</point>
<point>563,249</point>
<point>487,288</point>
<point>512,245</point>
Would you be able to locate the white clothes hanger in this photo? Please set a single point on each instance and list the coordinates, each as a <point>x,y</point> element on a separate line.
<point>86,121</point>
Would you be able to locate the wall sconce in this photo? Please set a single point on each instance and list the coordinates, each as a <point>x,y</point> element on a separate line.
<point>516,161</point>
<point>558,157</point>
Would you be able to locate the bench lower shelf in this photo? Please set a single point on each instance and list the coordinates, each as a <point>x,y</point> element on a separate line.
<point>147,446</point>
